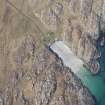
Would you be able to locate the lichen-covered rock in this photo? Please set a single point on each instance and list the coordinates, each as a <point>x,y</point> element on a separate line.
<point>82,42</point>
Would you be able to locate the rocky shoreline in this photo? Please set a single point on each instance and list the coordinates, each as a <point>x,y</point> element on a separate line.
<point>46,81</point>
<point>29,73</point>
<point>54,48</point>
<point>73,74</point>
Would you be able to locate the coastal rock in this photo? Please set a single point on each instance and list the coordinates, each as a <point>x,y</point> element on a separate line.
<point>90,20</point>
<point>46,82</point>
<point>82,42</point>
<point>29,73</point>
<point>58,81</point>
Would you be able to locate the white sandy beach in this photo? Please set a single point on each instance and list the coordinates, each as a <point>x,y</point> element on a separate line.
<point>67,56</point>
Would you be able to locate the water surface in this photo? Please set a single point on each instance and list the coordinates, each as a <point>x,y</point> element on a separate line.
<point>96,84</point>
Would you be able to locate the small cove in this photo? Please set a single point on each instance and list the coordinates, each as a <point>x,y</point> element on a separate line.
<point>95,83</point>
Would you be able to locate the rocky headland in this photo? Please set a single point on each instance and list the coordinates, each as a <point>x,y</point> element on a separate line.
<point>29,73</point>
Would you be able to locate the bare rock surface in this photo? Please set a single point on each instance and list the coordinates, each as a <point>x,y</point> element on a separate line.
<point>41,79</point>
<point>29,73</point>
<point>75,21</point>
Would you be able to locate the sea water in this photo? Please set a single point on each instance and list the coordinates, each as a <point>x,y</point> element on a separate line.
<point>95,83</point>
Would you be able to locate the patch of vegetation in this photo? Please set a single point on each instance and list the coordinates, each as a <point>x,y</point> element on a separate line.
<point>49,37</point>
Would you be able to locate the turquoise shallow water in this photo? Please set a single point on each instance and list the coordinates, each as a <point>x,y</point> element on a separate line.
<point>96,84</point>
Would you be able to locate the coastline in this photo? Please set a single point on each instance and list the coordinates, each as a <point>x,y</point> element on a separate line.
<point>75,74</point>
